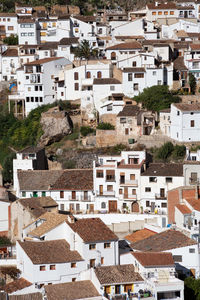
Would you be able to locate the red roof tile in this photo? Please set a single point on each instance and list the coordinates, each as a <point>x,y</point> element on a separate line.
<point>183,209</point>
<point>152,259</point>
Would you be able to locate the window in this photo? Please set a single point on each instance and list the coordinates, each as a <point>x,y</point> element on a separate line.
<point>109,108</point>
<point>160,13</point>
<point>41,99</point>
<point>154,73</point>
<point>62,207</point>
<point>109,187</point>
<point>107,245</point>
<point>133,191</point>
<point>23,194</point>
<point>92,246</point>
<point>35,194</point>
<point>147,189</point>
<point>165,13</point>
<point>126,131</point>
<point>191,250</point>
<point>164,205</point>
<point>112,88</point>
<point>8,19</point>
<point>159,82</point>
<point>120,191</point>
<point>113,56</point>
<point>130,77</point>
<point>177,258</point>
<point>27,99</point>
<point>42,268</point>
<point>134,63</point>
<point>76,86</point>
<point>92,263</point>
<point>52,267</point>
<point>135,86</point>
<point>99,174</point>
<point>147,203</point>
<point>171,13</point>
<point>102,260</point>
<point>75,75</point>
<point>73,279</point>
<point>73,265</point>
<point>103,205</point>
<point>153,13</point>
<point>99,75</point>
<point>43,194</point>
<point>61,194</point>
<point>139,75</point>
<point>122,120</point>
<point>152,179</point>
<point>88,74</point>
<point>192,123</point>
<point>168,179</point>
<point>10,28</point>
<point>178,113</point>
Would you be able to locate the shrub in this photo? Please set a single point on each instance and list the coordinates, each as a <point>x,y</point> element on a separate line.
<point>69,164</point>
<point>85,130</point>
<point>11,40</point>
<point>105,126</point>
<point>179,151</point>
<point>165,151</point>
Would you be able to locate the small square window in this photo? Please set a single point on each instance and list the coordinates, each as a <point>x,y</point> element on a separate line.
<point>73,265</point>
<point>23,194</point>
<point>147,189</point>
<point>92,246</point>
<point>42,268</point>
<point>107,245</point>
<point>52,267</point>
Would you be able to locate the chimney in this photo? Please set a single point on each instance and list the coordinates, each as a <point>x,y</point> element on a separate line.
<point>156,3</point>
<point>70,219</point>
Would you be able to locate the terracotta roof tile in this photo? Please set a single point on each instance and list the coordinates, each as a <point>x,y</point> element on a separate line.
<point>129,110</point>
<point>117,274</point>
<point>71,290</point>
<point>195,47</point>
<point>179,64</point>
<point>47,252</point>
<point>68,41</point>
<point>106,81</point>
<point>168,5</point>
<point>42,61</point>
<point>93,230</point>
<point>167,240</point>
<point>10,52</point>
<point>184,209</point>
<point>16,285</point>
<point>31,296</point>
<point>139,235</point>
<point>126,46</point>
<point>154,259</point>
<point>194,203</point>
<point>77,179</point>
<point>164,169</point>
<point>187,107</point>
<point>133,70</point>
<point>51,221</point>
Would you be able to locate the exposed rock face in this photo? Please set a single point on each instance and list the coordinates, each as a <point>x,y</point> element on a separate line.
<point>55,125</point>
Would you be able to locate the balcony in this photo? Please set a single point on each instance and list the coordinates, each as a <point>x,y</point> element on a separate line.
<point>105,193</point>
<point>128,197</point>
<point>160,196</point>
<point>194,181</point>
<point>81,199</point>
<point>110,179</point>
<point>129,182</point>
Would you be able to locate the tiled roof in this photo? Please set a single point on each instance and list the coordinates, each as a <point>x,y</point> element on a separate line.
<point>93,230</point>
<point>133,70</point>
<point>85,18</point>
<point>169,239</point>
<point>181,33</point>
<point>154,259</point>
<point>168,5</point>
<point>184,209</point>
<point>187,107</point>
<point>16,285</point>
<point>129,111</point>
<point>47,252</point>
<point>195,47</point>
<point>71,290</point>
<point>117,274</point>
<point>106,81</point>
<point>126,46</point>
<point>42,61</point>
<point>164,169</point>
<point>139,235</point>
<point>30,149</point>
<point>79,179</point>
<point>68,41</point>
<point>5,14</point>
<point>52,220</point>
<point>129,37</point>
<point>26,20</point>
<point>194,203</point>
<point>48,46</point>
<point>10,52</point>
<point>38,205</point>
<point>31,296</point>
<point>166,110</point>
<point>37,180</point>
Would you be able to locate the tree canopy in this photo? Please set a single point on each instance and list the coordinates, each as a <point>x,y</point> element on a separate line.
<point>11,40</point>
<point>156,98</point>
<point>84,50</point>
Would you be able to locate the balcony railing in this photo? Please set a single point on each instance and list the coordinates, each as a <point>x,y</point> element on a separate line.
<point>80,198</point>
<point>160,196</point>
<point>129,182</point>
<point>105,193</point>
<point>128,197</point>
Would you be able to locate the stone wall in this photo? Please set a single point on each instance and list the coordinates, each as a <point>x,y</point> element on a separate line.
<point>105,138</point>
<point>109,118</point>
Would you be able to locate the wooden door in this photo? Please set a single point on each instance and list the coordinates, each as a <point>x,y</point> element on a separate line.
<point>85,195</point>
<point>92,263</point>
<point>126,131</point>
<point>125,192</point>
<point>162,193</point>
<point>132,176</point>
<point>73,195</point>
<point>101,189</point>
<point>71,207</point>
<point>112,206</point>
<point>135,207</point>
<point>91,207</point>
<point>128,287</point>
<point>107,289</point>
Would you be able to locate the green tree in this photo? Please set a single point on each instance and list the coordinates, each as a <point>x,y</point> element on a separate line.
<point>8,167</point>
<point>156,98</point>
<point>105,126</point>
<point>192,288</point>
<point>179,152</point>
<point>192,83</point>
<point>84,50</point>
<point>11,40</point>
<point>165,151</point>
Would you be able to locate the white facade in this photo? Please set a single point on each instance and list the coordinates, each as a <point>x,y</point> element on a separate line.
<point>185,126</point>
<point>27,32</point>
<point>8,23</point>
<point>9,62</point>
<point>165,123</point>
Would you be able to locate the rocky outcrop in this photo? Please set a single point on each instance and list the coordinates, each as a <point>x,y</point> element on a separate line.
<point>55,125</point>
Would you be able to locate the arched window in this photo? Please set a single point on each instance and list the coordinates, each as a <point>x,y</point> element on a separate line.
<point>103,205</point>
<point>113,55</point>
<point>88,74</point>
<point>99,75</point>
